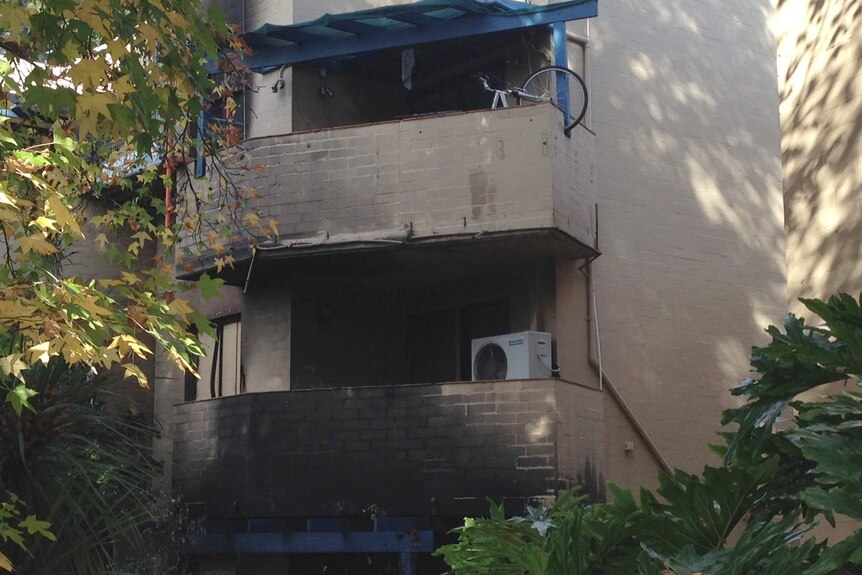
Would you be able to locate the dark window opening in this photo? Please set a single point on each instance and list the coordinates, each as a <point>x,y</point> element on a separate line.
<point>220,369</point>
<point>439,341</point>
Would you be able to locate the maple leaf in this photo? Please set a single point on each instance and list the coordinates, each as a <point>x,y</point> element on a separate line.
<point>209,287</point>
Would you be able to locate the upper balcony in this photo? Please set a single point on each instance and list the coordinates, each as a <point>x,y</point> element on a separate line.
<point>467,179</point>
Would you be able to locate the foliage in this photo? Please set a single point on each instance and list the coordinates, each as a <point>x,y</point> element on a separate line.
<point>100,103</point>
<point>754,514</point>
<point>82,462</point>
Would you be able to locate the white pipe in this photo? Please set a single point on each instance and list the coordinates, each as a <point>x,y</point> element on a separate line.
<point>250,265</point>
<point>598,339</point>
<point>606,382</point>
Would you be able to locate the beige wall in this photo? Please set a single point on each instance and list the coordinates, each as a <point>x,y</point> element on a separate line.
<point>819,52</point>
<point>690,207</point>
<point>820,83</point>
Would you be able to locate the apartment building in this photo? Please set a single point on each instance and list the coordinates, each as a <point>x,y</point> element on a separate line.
<point>820,86</point>
<point>819,48</point>
<point>337,423</point>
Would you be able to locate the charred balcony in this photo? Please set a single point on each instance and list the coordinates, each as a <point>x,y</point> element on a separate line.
<point>507,180</point>
<point>417,450</point>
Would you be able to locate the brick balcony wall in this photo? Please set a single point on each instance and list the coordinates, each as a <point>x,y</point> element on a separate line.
<point>408,450</point>
<point>457,173</point>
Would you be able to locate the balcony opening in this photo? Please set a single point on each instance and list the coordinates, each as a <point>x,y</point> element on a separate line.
<point>378,330</point>
<point>420,80</point>
<point>438,341</point>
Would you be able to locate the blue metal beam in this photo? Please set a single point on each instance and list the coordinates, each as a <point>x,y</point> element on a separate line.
<point>355,27</point>
<point>295,35</point>
<point>349,542</point>
<point>561,58</point>
<point>415,18</point>
<point>468,25</point>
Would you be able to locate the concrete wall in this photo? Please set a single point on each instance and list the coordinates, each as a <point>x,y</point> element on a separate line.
<point>690,207</point>
<point>412,450</point>
<point>819,53</point>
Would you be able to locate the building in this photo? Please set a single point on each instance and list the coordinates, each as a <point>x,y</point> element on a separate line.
<point>819,47</point>
<point>336,419</point>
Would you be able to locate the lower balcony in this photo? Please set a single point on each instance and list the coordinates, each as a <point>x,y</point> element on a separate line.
<point>407,450</point>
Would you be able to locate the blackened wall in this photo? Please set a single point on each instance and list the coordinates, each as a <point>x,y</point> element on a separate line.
<point>405,450</point>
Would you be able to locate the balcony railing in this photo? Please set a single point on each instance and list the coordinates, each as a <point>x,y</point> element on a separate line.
<point>426,179</point>
<point>404,450</point>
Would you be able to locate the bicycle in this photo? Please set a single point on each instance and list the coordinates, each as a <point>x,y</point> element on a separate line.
<point>541,86</point>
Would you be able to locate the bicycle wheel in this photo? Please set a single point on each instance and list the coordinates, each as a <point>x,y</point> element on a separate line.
<point>541,86</point>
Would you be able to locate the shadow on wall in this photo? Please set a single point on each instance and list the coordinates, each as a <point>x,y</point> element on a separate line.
<point>690,207</point>
<point>820,48</point>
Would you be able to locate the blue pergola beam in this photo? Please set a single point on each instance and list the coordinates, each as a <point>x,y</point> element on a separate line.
<point>416,18</point>
<point>469,25</point>
<point>350,542</point>
<point>355,27</point>
<point>295,35</point>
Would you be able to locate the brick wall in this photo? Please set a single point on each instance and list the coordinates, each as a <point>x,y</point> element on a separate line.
<point>459,173</point>
<point>412,450</point>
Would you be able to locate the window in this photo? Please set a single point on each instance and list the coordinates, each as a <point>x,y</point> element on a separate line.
<point>221,366</point>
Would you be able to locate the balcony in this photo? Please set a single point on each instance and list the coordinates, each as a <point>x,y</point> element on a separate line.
<point>506,178</point>
<point>412,450</point>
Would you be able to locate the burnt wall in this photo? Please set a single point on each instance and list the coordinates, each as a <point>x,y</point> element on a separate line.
<point>405,450</point>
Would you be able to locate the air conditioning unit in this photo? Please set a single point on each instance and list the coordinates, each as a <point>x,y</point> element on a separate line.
<point>523,355</point>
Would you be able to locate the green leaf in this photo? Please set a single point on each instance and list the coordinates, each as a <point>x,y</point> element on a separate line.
<point>209,287</point>
<point>19,398</point>
<point>34,526</point>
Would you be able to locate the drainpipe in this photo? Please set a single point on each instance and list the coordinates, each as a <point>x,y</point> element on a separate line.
<point>605,383</point>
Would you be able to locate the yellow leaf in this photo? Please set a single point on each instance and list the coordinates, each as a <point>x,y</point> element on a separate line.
<point>15,310</point>
<point>44,224</point>
<point>5,564</point>
<point>273,225</point>
<point>63,215</point>
<point>101,240</point>
<point>129,278</point>
<point>37,244</point>
<point>88,73</point>
<point>40,352</point>
<point>12,365</point>
<point>132,370</point>
<point>127,343</point>
<point>250,219</point>
<point>4,199</point>
<point>180,307</point>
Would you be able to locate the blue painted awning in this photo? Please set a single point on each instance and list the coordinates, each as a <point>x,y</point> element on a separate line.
<point>337,35</point>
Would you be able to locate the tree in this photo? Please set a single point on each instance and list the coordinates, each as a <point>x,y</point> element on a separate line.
<point>753,514</point>
<point>101,102</point>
